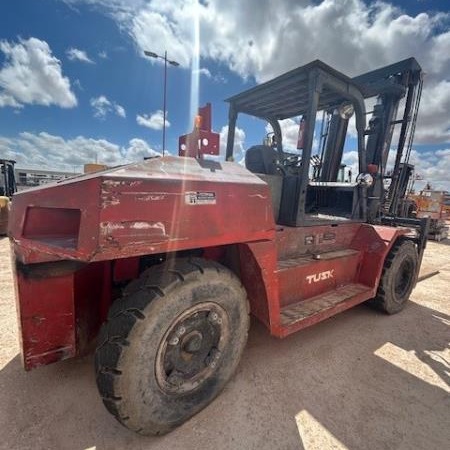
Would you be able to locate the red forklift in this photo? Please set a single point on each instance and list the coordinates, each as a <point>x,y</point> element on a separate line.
<point>162,261</point>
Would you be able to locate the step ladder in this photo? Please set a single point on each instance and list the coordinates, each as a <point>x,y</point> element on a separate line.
<point>314,287</point>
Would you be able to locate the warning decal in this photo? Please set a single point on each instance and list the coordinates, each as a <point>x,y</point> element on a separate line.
<point>200,198</point>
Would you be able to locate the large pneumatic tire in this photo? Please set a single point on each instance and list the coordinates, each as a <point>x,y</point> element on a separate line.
<point>171,343</point>
<point>398,278</point>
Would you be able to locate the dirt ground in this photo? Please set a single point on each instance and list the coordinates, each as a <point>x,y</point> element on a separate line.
<point>360,380</point>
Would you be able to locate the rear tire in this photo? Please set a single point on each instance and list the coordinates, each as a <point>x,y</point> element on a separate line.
<point>398,278</point>
<point>171,343</point>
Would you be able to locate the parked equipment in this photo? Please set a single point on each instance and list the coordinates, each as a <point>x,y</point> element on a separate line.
<point>7,189</point>
<point>170,255</point>
<point>434,205</point>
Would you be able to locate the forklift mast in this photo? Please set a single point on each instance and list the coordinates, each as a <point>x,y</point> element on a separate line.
<point>390,85</point>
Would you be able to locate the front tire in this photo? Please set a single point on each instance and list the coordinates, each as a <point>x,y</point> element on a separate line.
<point>171,343</point>
<point>398,278</point>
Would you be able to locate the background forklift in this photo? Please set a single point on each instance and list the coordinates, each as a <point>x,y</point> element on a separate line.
<point>170,255</point>
<point>7,189</point>
<point>433,204</point>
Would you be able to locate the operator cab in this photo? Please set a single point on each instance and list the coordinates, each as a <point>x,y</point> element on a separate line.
<point>309,189</point>
<point>305,188</point>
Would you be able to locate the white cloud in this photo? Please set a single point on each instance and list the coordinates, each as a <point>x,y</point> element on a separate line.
<point>205,71</point>
<point>102,107</point>
<point>154,121</point>
<point>350,159</point>
<point>103,54</point>
<point>77,84</point>
<point>138,149</point>
<point>266,39</point>
<point>32,75</point>
<point>9,100</point>
<point>433,168</point>
<point>120,110</point>
<point>218,78</point>
<point>75,54</point>
<point>239,143</point>
<point>289,132</point>
<point>47,151</point>
<point>434,114</point>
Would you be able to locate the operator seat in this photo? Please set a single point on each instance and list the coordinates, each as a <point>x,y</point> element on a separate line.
<point>262,159</point>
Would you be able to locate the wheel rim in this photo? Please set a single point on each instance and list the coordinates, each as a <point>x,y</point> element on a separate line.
<point>191,349</point>
<point>403,279</point>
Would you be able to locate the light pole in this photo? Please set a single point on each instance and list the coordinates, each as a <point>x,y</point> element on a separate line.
<point>172,63</point>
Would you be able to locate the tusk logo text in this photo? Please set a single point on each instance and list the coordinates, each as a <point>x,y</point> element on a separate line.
<point>320,276</point>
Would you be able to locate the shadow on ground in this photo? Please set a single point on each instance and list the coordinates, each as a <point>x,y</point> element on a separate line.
<point>366,380</point>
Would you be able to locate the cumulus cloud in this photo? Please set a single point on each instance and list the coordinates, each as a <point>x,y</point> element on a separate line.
<point>75,54</point>
<point>434,114</point>
<point>264,40</point>
<point>102,107</point>
<point>433,168</point>
<point>154,121</point>
<point>32,75</point>
<point>9,100</point>
<point>47,151</point>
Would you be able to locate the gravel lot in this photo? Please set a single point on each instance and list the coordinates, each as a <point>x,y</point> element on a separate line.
<point>360,380</point>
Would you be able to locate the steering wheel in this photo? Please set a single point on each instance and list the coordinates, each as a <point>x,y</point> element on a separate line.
<point>290,165</point>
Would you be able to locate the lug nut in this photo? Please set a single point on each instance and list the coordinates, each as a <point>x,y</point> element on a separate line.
<point>211,359</point>
<point>175,380</point>
<point>181,331</point>
<point>214,317</point>
<point>211,362</point>
<point>174,340</point>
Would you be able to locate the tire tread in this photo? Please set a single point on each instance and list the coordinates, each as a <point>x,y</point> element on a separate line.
<point>380,300</point>
<point>153,283</point>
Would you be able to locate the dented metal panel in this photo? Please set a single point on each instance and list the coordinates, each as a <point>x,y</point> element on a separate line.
<point>159,205</point>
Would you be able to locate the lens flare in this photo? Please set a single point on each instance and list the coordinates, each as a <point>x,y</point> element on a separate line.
<point>195,61</point>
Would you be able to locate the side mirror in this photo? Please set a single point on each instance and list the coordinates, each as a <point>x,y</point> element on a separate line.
<point>364,179</point>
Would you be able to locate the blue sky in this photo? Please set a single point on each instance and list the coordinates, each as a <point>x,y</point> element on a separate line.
<point>73,79</point>
<point>123,76</point>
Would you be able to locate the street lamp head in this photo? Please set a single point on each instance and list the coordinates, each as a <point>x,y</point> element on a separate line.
<point>151,54</point>
<point>173,63</point>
